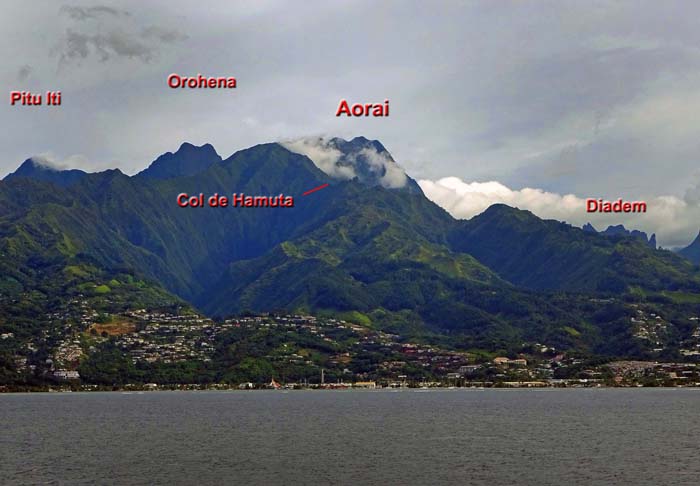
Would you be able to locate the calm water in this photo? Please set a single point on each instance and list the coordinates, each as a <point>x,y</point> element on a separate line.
<point>373,437</point>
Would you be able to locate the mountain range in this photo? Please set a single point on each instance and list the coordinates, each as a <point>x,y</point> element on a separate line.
<point>370,247</point>
<point>692,251</point>
<point>620,230</point>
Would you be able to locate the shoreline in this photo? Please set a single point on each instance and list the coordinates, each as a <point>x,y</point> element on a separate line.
<point>141,390</point>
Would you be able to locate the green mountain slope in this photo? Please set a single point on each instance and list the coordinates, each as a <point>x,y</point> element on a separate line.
<point>136,222</point>
<point>365,233</point>
<point>390,257</point>
<point>541,254</point>
<point>385,256</point>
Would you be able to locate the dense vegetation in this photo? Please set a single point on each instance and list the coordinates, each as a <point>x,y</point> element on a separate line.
<point>391,258</point>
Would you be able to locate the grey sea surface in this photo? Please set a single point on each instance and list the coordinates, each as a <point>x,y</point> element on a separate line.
<point>539,437</point>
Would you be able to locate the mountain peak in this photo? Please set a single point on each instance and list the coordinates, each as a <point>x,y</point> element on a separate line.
<point>188,160</point>
<point>42,169</point>
<point>692,251</point>
<point>365,160</point>
<point>589,228</point>
<point>620,230</point>
<point>696,241</point>
<point>189,147</point>
<point>364,142</point>
<point>503,210</point>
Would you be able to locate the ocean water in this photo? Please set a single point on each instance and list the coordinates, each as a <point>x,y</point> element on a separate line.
<point>540,437</point>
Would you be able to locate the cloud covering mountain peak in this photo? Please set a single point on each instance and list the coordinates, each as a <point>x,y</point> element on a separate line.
<point>45,167</point>
<point>362,159</point>
<point>672,218</point>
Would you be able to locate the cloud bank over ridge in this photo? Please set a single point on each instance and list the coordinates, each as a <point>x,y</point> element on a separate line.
<point>50,161</point>
<point>323,155</point>
<point>365,161</point>
<point>674,220</point>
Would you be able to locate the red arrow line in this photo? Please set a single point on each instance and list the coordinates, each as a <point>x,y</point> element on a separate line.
<point>315,189</point>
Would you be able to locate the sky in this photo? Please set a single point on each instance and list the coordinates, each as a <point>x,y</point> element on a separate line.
<point>539,104</point>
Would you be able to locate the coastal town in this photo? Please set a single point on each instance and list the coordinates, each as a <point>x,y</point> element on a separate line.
<point>311,352</point>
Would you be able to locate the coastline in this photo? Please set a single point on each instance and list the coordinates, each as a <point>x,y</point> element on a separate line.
<point>198,388</point>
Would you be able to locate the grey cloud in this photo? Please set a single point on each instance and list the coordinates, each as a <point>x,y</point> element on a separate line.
<point>87,13</point>
<point>113,44</point>
<point>167,36</point>
<point>117,36</point>
<point>24,72</point>
<point>535,96</point>
<point>692,195</point>
<point>121,44</point>
<point>613,164</point>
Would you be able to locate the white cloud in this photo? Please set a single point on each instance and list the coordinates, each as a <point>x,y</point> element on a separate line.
<point>674,220</point>
<point>326,156</point>
<point>322,154</point>
<point>390,174</point>
<point>51,161</point>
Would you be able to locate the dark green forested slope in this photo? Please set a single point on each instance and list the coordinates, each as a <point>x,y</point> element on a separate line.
<point>546,254</point>
<point>135,222</point>
<point>384,254</point>
<point>390,256</point>
<point>376,248</point>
